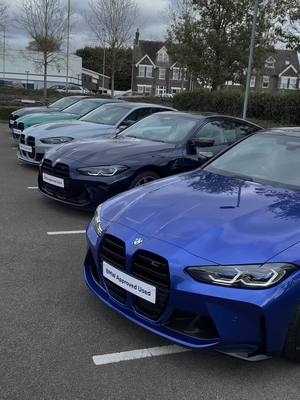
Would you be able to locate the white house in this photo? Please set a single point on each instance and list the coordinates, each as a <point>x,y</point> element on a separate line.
<point>26,67</point>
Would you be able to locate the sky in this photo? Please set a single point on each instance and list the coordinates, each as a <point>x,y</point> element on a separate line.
<point>152,23</point>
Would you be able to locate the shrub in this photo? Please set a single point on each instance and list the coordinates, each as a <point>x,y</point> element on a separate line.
<point>280,106</point>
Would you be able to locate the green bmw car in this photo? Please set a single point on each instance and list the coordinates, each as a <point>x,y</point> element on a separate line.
<point>74,112</point>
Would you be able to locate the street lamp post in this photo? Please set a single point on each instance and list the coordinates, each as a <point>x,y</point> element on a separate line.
<point>104,61</point>
<point>4,49</point>
<point>250,62</point>
<point>68,45</point>
<point>27,79</point>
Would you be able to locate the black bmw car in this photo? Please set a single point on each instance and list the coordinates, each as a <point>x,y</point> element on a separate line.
<point>87,173</point>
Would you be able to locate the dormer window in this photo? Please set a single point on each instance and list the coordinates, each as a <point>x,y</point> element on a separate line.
<point>162,55</point>
<point>270,63</point>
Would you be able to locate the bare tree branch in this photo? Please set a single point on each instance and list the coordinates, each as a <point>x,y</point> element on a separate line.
<point>45,21</point>
<point>113,22</point>
<point>3,13</point>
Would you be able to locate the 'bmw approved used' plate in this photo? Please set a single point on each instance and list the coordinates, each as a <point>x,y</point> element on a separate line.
<point>129,283</point>
<point>53,180</point>
<point>24,147</point>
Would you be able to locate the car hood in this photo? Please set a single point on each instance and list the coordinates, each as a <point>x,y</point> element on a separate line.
<point>71,128</point>
<point>220,219</point>
<point>39,118</point>
<point>107,151</point>
<point>30,110</point>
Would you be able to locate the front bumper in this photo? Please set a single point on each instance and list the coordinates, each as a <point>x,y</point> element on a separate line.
<point>35,157</point>
<point>243,320</point>
<point>81,192</point>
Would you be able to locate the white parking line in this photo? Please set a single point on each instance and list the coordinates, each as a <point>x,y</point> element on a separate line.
<point>32,187</point>
<point>138,354</point>
<point>66,233</point>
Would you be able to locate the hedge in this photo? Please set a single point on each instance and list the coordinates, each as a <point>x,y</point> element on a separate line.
<point>5,112</point>
<point>283,107</point>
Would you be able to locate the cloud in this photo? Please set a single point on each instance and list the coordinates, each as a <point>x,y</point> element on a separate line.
<point>152,23</point>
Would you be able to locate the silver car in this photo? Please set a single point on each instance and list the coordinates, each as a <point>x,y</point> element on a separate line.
<point>104,122</point>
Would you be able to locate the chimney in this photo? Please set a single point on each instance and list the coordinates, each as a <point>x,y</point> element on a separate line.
<point>137,37</point>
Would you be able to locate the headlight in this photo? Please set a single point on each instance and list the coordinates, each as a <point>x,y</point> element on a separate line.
<point>57,140</point>
<point>243,276</point>
<point>102,171</point>
<point>97,221</point>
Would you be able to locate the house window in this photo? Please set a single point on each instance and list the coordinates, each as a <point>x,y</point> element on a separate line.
<point>144,89</point>
<point>288,83</point>
<point>162,73</point>
<point>145,71</point>
<point>270,63</point>
<point>162,56</point>
<point>175,90</point>
<point>176,74</point>
<point>149,71</point>
<point>161,90</point>
<point>266,82</point>
<point>252,81</point>
<point>179,74</point>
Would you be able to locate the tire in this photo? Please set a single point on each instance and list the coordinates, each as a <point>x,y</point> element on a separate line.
<point>291,349</point>
<point>143,178</point>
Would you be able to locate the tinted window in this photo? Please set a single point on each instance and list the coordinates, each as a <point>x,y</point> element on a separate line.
<point>262,157</point>
<point>163,128</point>
<point>83,107</point>
<point>139,114</point>
<point>224,132</point>
<point>108,114</point>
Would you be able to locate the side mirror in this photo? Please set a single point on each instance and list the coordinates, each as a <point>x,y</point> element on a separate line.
<point>125,124</point>
<point>202,142</point>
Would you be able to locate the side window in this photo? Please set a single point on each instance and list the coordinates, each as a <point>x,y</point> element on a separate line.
<point>139,114</point>
<point>225,132</point>
<point>156,110</point>
<point>245,130</point>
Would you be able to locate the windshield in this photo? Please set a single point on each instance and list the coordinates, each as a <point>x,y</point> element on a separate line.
<point>109,114</point>
<point>163,128</point>
<point>63,103</point>
<point>265,158</point>
<point>83,107</point>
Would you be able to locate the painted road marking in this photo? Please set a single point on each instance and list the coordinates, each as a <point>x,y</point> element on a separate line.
<point>138,354</point>
<point>32,187</point>
<point>66,233</point>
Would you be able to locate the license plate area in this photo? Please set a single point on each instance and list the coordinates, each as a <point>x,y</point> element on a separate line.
<point>132,285</point>
<point>26,148</point>
<point>53,180</point>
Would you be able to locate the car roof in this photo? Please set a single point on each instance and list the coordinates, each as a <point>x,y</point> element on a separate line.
<point>204,115</point>
<point>287,131</point>
<point>133,105</point>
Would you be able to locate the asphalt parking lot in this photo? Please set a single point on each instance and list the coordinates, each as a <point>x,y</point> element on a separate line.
<point>51,326</point>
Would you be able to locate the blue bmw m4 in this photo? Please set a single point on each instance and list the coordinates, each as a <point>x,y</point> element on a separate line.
<point>209,258</point>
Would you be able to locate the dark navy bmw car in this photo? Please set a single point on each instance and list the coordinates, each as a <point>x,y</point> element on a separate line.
<point>209,258</point>
<point>86,173</point>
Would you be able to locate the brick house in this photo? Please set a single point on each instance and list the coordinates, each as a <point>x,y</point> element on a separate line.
<point>154,71</point>
<point>279,71</point>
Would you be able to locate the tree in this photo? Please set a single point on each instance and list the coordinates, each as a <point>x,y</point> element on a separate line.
<point>113,22</point>
<point>45,22</point>
<point>92,58</point>
<point>289,25</point>
<point>212,36</point>
<point>3,13</point>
